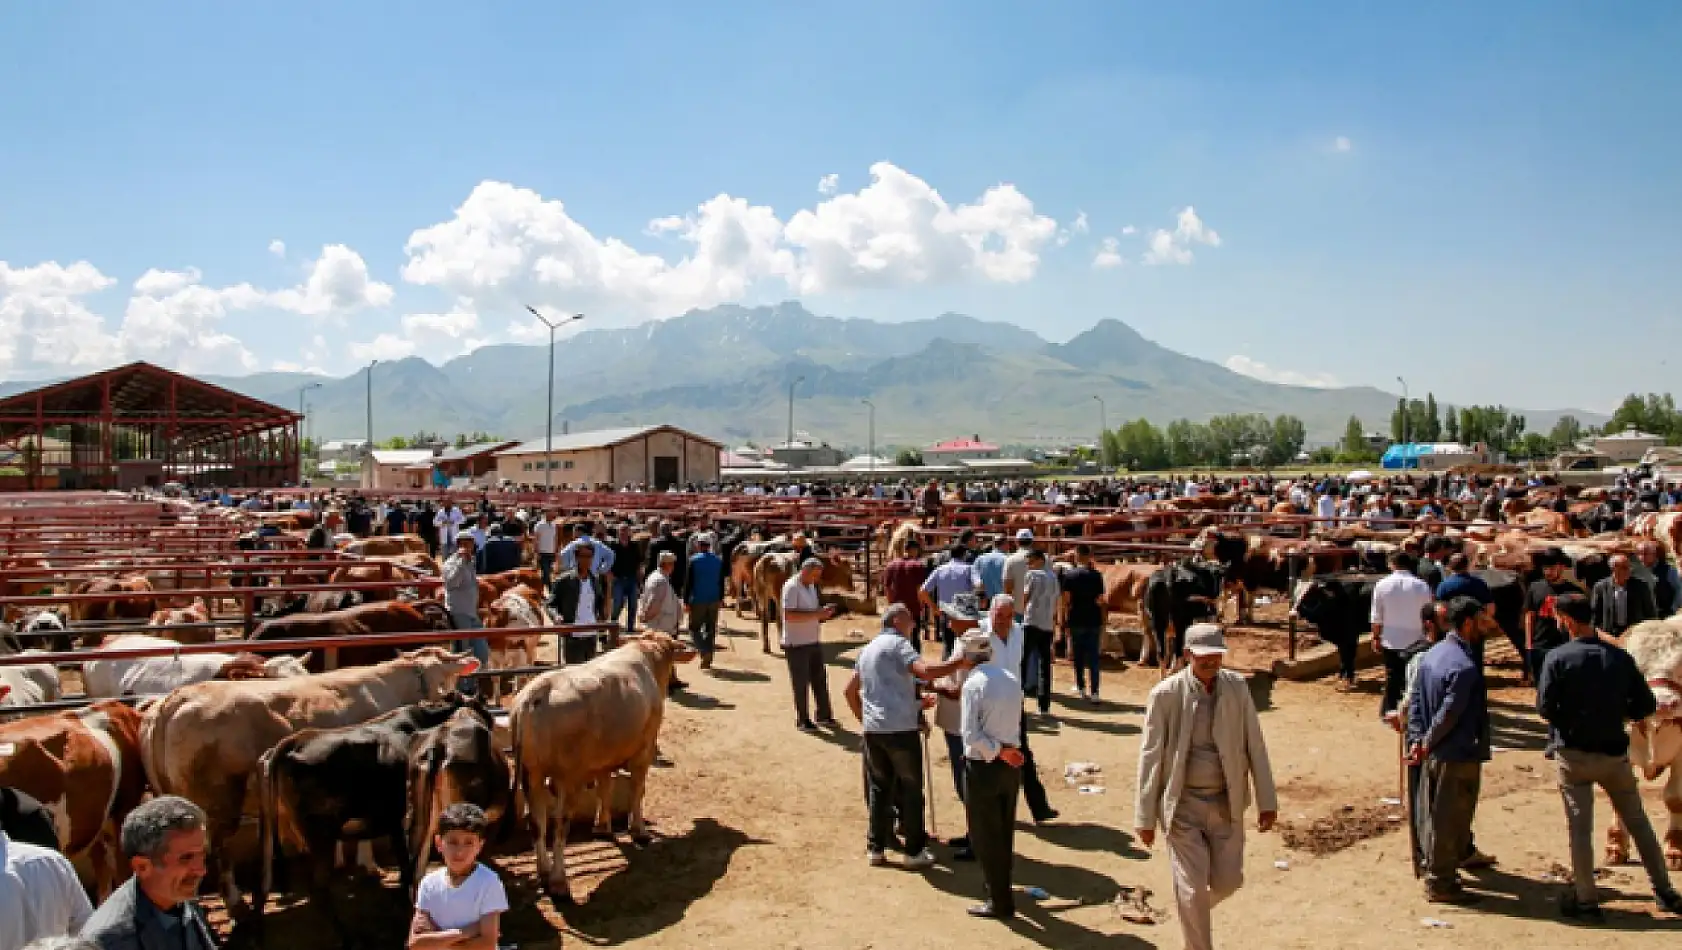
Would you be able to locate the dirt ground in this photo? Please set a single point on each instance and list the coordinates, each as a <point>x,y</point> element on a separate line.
<point>760,836</point>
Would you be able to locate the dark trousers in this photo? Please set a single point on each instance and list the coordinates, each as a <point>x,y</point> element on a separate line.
<point>990,806</point>
<point>1037,643</point>
<point>1039,806</point>
<point>1420,819</point>
<point>703,627</point>
<point>807,674</point>
<point>894,766</point>
<point>546,569</point>
<point>1084,643</point>
<point>955,752</point>
<point>580,648</point>
<point>1395,677</point>
<point>947,637</point>
<point>1447,801</point>
<point>625,592</point>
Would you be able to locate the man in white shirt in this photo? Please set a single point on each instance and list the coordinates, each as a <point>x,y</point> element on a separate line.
<point>1327,508</point>
<point>579,596</point>
<point>991,707</point>
<point>448,521</point>
<point>543,535</point>
<point>1008,645</point>
<point>39,894</point>
<point>1396,624</point>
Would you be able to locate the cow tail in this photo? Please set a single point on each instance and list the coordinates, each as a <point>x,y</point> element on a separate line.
<point>517,782</point>
<point>268,811</point>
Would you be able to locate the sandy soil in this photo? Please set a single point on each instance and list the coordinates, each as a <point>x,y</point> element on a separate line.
<point>761,838</point>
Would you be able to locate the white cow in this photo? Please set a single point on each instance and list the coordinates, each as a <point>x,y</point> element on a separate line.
<point>1656,743</point>
<point>34,682</point>
<point>153,675</point>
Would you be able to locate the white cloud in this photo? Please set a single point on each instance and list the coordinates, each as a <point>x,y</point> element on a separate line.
<point>1174,247</point>
<point>514,246</point>
<point>829,184</point>
<point>1129,230</point>
<point>338,283</point>
<point>1080,226</point>
<point>436,337</point>
<point>386,346</point>
<point>44,321</point>
<point>1342,144</point>
<point>1109,254</point>
<point>1254,369</point>
<point>277,247</point>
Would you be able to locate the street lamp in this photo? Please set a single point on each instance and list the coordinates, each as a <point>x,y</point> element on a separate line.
<point>797,381</point>
<point>303,424</point>
<point>369,461</point>
<point>1103,427</point>
<point>1405,408</point>
<point>549,417</point>
<point>872,436</point>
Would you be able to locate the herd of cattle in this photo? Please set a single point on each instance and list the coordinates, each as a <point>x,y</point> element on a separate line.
<point>284,752</point>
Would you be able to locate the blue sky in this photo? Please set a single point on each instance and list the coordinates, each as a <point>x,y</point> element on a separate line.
<point>1482,198</point>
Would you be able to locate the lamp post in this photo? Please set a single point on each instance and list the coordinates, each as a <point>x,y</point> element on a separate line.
<point>872,436</point>
<point>369,461</point>
<point>1103,427</point>
<point>549,417</point>
<point>797,381</point>
<point>1405,408</point>
<point>303,426</point>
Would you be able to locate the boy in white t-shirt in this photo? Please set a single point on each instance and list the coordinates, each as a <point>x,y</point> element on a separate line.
<point>460,905</point>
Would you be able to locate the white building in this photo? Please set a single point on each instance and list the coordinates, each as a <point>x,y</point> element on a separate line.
<point>953,451</point>
<point>1626,446</point>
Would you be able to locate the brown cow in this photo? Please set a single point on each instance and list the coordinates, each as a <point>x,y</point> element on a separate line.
<point>521,606</point>
<point>120,608</point>
<point>575,727</point>
<point>389,545</point>
<point>204,741</point>
<point>194,615</point>
<point>390,616</point>
<point>773,570</point>
<point>493,586</point>
<point>84,767</point>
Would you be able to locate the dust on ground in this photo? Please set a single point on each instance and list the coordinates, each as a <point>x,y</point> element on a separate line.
<point>760,836</point>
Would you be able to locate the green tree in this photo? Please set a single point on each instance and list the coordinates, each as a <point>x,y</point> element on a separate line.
<point>1653,413</point>
<point>1354,438</point>
<point>1451,424</point>
<point>1109,449</point>
<point>1324,455</point>
<point>395,442</point>
<point>1288,436</point>
<point>1142,446</point>
<point>1432,428</point>
<point>908,458</point>
<point>1534,445</point>
<point>1566,431</point>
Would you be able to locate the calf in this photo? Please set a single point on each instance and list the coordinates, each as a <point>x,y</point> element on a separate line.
<point>1176,596</point>
<point>84,767</point>
<point>575,727</point>
<point>194,616</point>
<point>457,761</point>
<point>320,786</point>
<point>520,607</point>
<point>1340,608</point>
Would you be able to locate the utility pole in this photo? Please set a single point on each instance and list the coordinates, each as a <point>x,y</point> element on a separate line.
<point>1103,427</point>
<point>549,417</point>
<point>1405,409</point>
<point>368,458</point>
<point>303,426</point>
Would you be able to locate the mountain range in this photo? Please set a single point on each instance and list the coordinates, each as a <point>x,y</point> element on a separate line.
<point>726,373</point>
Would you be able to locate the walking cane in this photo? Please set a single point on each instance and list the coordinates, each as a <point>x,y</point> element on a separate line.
<point>1407,802</point>
<point>928,780</point>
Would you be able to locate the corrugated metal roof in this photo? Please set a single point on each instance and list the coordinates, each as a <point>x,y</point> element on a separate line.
<point>599,439</point>
<point>401,456</point>
<point>477,448</point>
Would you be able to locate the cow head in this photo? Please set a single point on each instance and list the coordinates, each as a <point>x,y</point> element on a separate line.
<point>664,653</point>
<point>439,669</point>
<point>436,614</point>
<point>283,667</point>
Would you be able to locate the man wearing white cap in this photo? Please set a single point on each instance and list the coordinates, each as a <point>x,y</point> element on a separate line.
<point>1202,750</point>
<point>1016,568</point>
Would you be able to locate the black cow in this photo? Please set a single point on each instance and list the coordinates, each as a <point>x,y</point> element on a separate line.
<point>1340,608</point>
<point>1177,596</point>
<point>321,786</point>
<point>455,762</point>
<point>27,820</point>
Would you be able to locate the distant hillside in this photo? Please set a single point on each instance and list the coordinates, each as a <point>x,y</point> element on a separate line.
<point>726,372</point>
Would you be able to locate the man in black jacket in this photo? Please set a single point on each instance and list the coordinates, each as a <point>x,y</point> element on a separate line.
<point>580,596</point>
<point>1621,601</point>
<point>1588,689</point>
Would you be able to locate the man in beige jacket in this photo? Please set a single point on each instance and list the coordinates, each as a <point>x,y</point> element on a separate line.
<point>1202,750</point>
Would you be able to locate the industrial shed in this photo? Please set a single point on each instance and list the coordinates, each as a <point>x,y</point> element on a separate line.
<point>658,456</point>
<point>139,425</point>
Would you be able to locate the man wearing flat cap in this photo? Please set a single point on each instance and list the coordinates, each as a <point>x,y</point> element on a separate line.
<point>1202,751</point>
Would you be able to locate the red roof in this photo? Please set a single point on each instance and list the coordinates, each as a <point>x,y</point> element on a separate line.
<point>963,445</point>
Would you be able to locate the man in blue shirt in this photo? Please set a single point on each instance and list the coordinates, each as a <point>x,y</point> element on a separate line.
<point>990,568</point>
<point>603,566</point>
<point>1448,731</point>
<point>1461,582</point>
<point>703,591</point>
<point>956,576</point>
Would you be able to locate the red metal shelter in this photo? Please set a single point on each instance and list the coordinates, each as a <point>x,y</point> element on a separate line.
<point>140,425</point>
